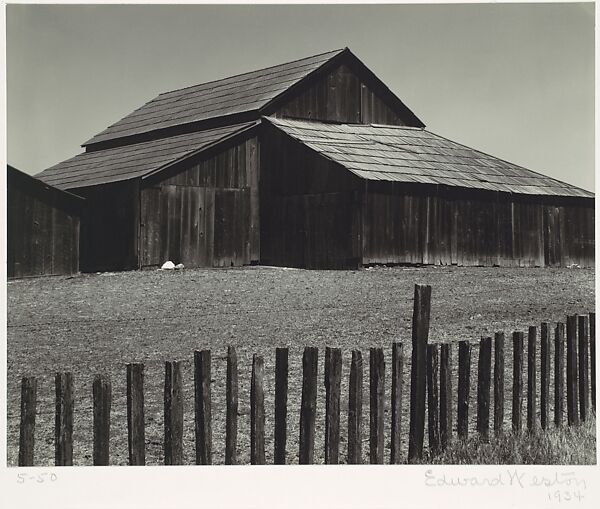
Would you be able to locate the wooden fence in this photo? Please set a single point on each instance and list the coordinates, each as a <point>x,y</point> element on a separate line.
<point>430,388</point>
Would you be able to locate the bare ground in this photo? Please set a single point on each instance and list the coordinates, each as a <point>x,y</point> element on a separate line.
<point>93,324</point>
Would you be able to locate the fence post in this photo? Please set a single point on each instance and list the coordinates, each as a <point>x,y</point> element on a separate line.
<point>376,408</point>
<point>445,395</point>
<point>333,381</point>
<point>593,358</point>
<point>231,418</point>
<point>559,373</point>
<point>484,375</point>
<point>498,382</point>
<point>202,407</point>
<point>257,412</point>
<point>418,373</point>
<point>173,414</point>
<point>531,379</point>
<point>433,423</point>
<point>355,409</point>
<point>584,384</point>
<point>396,427</point>
<point>517,393</point>
<point>281,391</point>
<point>27,427</point>
<point>572,399</point>
<point>545,375</point>
<point>464,387</point>
<point>102,396</point>
<point>63,430</point>
<point>136,438</point>
<point>308,406</point>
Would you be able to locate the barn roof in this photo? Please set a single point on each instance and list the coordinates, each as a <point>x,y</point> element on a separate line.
<point>17,176</point>
<point>415,155</point>
<point>133,161</point>
<point>244,93</point>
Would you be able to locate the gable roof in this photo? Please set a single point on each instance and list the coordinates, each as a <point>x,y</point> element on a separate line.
<point>253,91</point>
<point>414,155</point>
<point>133,161</point>
<point>17,176</point>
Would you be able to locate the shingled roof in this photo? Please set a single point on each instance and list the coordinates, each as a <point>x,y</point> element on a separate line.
<point>133,161</point>
<point>415,155</point>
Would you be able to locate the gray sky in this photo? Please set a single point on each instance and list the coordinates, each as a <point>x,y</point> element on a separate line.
<point>516,81</point>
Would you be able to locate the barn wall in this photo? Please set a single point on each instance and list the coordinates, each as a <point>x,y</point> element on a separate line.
<point>42,230</point>
<point>340,96</point>
<point>206,212</point>
<point>473,229</point>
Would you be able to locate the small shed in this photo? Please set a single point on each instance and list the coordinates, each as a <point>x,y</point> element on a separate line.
<point>42,227</point>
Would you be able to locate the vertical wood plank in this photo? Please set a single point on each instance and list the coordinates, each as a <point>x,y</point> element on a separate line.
<point>355,409</point>
<point>257,412</point>
<point>433,416</point>
<point>333,381</point>
<point>418,377</point>
<point>281,394</point>
<point>397,382</point>
<point>572,399</point>
<point>63,429</point>
<point>531,379</point>
<point>445,395</point>
<point>27,425</point>
<point>559,373</point>
<point>517,393</point>
<point>484,375</point>
<point>376,409</point>
<point>231,418</point>
<point>498,382</point>
<point>464,387</point>
<point>136,438</point>
<point>102,396</point>
<point>202,407</point>
<point>308,405</point>
<point>593,359</point>
<point>584,381</point>
<point>173,422</point>
<point>544,375</point>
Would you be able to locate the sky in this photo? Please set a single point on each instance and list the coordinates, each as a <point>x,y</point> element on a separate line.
<point>513,80</point>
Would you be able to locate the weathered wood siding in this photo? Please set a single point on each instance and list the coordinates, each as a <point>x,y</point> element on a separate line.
<point>340,96</point>
<point>205,213</point>
<point>42,229</point>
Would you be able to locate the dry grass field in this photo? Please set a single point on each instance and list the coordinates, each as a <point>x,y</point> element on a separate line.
<point>95,323</point>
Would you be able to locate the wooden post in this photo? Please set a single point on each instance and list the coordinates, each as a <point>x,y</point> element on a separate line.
<point>418,373</point>
<point>308,406</point>
<point>545,375</point>
<point>202,407</point>
<point>593,359</point>
<point>333,382</point>
<point>281,392</point>
<point>559,373</point>
<point>377,392</point>
<point>257,412</point>
<point>355,409</point>
<point>102,396</point>
<point>396,427</point>
<point>572,399</point>
<point>433,399</point>
<point>464,386</point>
<point>517,393</point>
<point>63,430</point>
<point>231,417</point>
<point>498,382</point>
<point>584,380</point>
<point>136,438</point>
<point>27,428</point>
<point>531,379</point>
<point>445,395</point>
<point>173,414</point>
<point>484,375</point>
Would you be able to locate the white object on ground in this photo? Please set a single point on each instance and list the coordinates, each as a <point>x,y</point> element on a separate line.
<point>168,265</point>
<point>179,266</point>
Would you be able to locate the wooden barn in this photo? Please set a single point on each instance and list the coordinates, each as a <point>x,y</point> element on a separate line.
<point>315,163</point>
<point>42,227</point>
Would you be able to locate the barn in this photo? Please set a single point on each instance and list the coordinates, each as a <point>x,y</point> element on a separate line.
<point>314,163</point>
<point>42,227</point>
